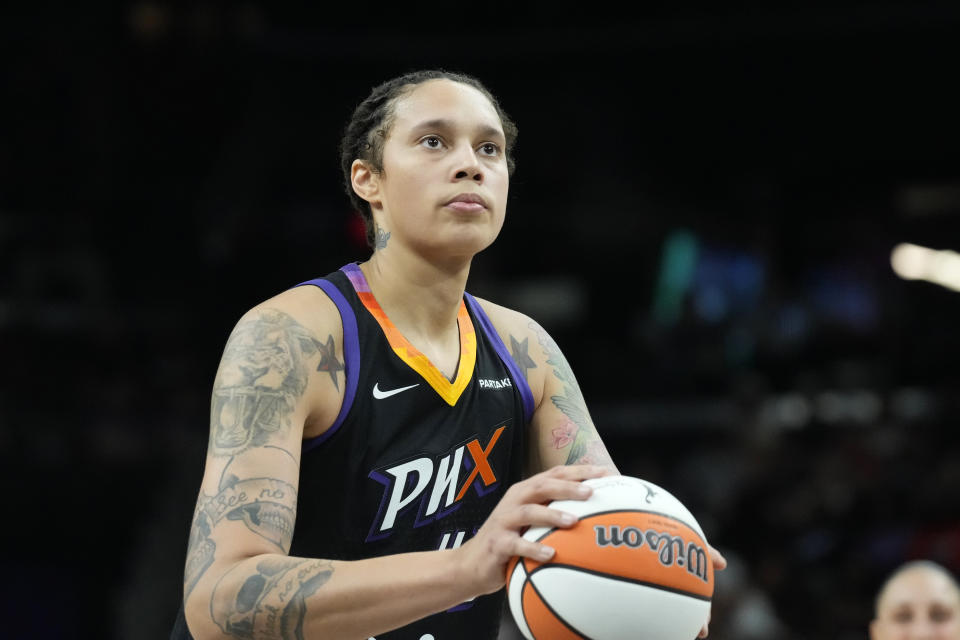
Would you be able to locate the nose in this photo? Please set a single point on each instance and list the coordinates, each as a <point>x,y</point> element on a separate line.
<point>923,630</point>
<point>467,165</point>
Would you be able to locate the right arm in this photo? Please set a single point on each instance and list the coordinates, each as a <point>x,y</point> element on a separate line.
<point>276,376</point>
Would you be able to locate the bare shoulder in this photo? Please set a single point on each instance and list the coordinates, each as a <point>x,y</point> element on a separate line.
<point>503,317</point>
<point>307,305</point>
<point>293,341</point>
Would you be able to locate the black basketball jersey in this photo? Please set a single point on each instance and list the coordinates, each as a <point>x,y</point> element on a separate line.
<point>414,461</point>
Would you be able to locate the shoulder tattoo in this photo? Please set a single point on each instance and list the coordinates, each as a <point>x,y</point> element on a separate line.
<point>263,373</point>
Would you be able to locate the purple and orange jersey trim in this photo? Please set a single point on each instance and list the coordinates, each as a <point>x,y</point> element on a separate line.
<point>449,391</point>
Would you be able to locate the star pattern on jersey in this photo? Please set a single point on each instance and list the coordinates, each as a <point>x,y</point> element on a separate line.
<point>520,356</point>
<point>328,360</point>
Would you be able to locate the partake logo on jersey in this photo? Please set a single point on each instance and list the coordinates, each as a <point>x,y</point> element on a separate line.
<point>486,383</point>
<point>436,482</point>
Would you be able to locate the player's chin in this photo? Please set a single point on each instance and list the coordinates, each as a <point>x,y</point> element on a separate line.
<point>464,239</point>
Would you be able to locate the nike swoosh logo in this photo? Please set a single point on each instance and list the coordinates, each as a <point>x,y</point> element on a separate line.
<point>380,395</point>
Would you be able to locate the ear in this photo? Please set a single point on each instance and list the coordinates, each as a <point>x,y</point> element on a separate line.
<point>365,182</point>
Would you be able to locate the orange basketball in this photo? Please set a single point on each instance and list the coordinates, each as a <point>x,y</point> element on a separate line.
<point>636,565</point>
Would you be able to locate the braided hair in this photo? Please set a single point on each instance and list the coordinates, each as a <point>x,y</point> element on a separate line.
<point>365,134</point>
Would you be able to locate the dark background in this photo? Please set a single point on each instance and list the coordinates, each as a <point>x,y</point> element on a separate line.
<point>703,214</point>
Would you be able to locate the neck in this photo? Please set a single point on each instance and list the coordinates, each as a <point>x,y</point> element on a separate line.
<point>420,296</point>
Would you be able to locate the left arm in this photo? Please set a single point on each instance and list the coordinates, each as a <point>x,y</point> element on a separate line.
<point>561,431</point>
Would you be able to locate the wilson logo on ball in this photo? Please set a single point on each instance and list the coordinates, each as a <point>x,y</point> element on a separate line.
<point>670,549</point>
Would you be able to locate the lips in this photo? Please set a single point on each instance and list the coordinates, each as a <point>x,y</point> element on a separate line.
<point>467,202</point>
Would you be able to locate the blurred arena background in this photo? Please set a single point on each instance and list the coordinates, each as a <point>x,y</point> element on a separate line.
<point>705,215</point>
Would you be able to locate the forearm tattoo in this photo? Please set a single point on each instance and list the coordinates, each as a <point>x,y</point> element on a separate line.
<point>519,351</point>
<point>271,601</point>
<point>578,432</point>
<point>263,374</point>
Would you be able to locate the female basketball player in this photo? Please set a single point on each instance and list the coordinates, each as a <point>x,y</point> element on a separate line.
<point>381,409</point>
<point>921,600</point>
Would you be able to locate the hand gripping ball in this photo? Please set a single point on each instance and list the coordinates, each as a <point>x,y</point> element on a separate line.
<point>636,565</point>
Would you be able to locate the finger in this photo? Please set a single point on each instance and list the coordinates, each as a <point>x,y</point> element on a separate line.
<point>579,471</point>
<point>543,489</point>
<point>537,515</point>
<point>533,550</point>
<point>719,562</point>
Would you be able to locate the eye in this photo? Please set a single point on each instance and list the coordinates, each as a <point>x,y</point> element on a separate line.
<point>941,614</point>
<point>489,149</point>
<point>431,142</point>
<point>903,616</point>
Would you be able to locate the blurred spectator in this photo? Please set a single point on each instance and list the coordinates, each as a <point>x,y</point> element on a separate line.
<point>919,601</point>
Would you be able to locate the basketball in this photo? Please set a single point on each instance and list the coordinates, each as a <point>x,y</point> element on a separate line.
<point>636,565</point>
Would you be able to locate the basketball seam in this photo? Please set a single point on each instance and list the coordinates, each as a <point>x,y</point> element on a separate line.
<point>549,608</point>
<point>603,513</point>
<point>613,576</point>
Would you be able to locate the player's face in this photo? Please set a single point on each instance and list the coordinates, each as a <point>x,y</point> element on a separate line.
<point>919,604</point>
<point>444,183</point>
